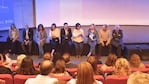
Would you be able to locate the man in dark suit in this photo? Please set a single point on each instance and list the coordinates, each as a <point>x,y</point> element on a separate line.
<point>66,35</point>
<point>27,40</point>
<point>117,40</point>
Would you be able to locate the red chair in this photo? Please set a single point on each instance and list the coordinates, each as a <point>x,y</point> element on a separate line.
<point>116,80</point>
<point>7,77</point>
<point>20,79</point>
<point>99,78</point>
<point>144,70</point>
<point>146,65</point>
<point>63,78</point>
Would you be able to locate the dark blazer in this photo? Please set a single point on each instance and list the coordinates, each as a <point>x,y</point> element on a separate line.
<point>30,34</point>
<point>64,36</point>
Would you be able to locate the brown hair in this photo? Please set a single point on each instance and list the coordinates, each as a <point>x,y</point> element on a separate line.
<point>46,67</point>
<point>47,56</point>
<point>93,61</point>
<point>135,61</point>
<point>27,67</point>
<point>59,66</point>
<point>111,59</point>
<point>85,74</point>
<point>122,67</point>
<point>66,57</point>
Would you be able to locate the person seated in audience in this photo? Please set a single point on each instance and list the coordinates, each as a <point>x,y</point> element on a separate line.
<point>117,40</point>
<point>27,67</point>
<point>46,67</point>
<point>5,60</point>
<point>68,64</point>
<point>27,40</point>
<point>2,81</point>
<point>19,60</point>
<point>93,61</point>
<point>13,39</point>
<point>135,61</point>
<point>47,56</point>
<point>110,62</point>
<point>59,69</point>
<point>122,67</point>
<point>138,78</point>
<point>85,75</point>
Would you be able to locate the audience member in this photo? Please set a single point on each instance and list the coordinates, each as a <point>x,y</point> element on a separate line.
<point>19,60</point>
<point>27,67</point>
<point>43,78</point>
<point>93,61</point>
<point>85,75</point>
<point>68,64</point>
<point>138,78</point>
<point>135,61</point>
<point>122,67</point>
<point>59,69</point>
<point>6,61</point>
<point>47,56</point>
<point>110,61</point>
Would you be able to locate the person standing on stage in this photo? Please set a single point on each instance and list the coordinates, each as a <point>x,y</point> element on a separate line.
<point>93,38</point>
<point>41,37</point>
<point>104,36</point>
<point>66,35</point>
<point>54,35</point>
<point>117,40</point>
<point>78,39</point>
<point>27,40</point>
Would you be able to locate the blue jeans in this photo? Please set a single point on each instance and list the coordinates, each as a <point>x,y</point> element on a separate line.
<point>78,48</point>
<point>92,46</point>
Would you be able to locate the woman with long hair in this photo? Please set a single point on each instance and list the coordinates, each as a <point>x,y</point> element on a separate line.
<point>85,75</point>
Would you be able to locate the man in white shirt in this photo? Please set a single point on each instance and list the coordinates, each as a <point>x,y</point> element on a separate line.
<point>43,78</point>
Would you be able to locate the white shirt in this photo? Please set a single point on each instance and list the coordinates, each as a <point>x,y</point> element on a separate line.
<point>73,81</point>
<point>40,79</point>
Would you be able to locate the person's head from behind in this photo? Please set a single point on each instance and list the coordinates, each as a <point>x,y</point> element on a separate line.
<point>93,61</point>
<point>135,60</point>
<point>78,26</point>
<point>66,57</point>
<point>138,78</point>
<point>46,67</point>
<point>65,25</point>
<point>47,56</point>
<point>27,66</point>
<point>122,67</point>
<point>12,27</point>
<point>40,28</point>
<point>111,59</point>
<point>85,74</point>
<point>20,58</point>
<point>59,66</point>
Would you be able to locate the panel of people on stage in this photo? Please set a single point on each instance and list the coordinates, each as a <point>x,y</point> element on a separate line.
<point>66,37</point>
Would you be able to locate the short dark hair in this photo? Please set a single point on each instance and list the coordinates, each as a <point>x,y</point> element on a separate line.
<point>65,23</point>
<point>45,70</point>
<point>78,24</point>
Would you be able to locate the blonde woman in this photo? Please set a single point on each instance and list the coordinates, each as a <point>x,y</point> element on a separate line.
<point>85,75</point>
<point>122,67</point>
<point>138,78</point>
<point>19,60</point>
<point>135,61</point>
